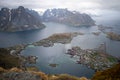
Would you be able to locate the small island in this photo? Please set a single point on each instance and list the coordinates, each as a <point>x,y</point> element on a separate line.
<point>53,65</point>
<point>113,36</point>
<point>96,33</point>
<point>62,38</point>
<point>104,29</point>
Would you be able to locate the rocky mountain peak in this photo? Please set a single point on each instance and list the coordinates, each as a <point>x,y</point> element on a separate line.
<point>5,9</point>
<point>65,16</point>
<point>18,19</point>
<point>20,9</point>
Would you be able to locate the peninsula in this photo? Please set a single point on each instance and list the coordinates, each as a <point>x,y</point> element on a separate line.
<point>95,59</point>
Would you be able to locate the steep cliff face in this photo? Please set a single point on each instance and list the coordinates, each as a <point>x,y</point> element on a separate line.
<point>67,17</point>
<point>18,20</point>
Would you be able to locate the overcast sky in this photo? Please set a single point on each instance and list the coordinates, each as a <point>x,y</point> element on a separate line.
<point>89,6</point>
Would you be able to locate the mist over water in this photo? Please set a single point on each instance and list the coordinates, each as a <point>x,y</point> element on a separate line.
<point>56,54</point>
<point>109,18</point>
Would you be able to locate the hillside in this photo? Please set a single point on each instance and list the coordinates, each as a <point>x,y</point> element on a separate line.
<point>19,19</point>
<point>67,17</point>
<point>9,70</point>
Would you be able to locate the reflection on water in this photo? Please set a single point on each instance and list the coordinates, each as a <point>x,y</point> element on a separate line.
<point>56,54</point>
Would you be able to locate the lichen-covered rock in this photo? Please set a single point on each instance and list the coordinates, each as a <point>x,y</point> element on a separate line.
<point>18,74</point>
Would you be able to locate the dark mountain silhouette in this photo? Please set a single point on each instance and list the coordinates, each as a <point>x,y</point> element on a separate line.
<point>19,19</point>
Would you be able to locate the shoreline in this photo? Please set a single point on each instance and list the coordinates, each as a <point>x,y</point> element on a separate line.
<point>85,56</point>
<point>93,59</point>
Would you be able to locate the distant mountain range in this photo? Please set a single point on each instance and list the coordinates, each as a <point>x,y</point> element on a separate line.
<point>19,19</point>
<point>65,16</point>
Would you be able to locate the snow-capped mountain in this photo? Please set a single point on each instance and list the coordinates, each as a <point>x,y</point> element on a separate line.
<point>65,16</point>
<point>19,19</point>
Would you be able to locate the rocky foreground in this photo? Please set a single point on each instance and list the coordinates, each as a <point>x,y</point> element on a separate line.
<point>17,74</point>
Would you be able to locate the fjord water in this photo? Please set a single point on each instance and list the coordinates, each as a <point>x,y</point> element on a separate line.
<point>56,54</point>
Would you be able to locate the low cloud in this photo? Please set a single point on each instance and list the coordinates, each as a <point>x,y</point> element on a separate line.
<point>80,5</point>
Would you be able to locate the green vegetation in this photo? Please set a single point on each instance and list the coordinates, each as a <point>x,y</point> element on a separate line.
<point>94,59</point>
<point>109,74</point>
<point>7,60</point>
<point>40,75</point>
<point>62,38</point>
<point>65,77</point>
<point>95,54</point>
<point>113,36</point>
<point>112,59</point>
<point>53,65</point>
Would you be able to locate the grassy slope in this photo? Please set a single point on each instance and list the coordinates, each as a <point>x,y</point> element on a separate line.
<point>8,61</point>
<point>109,74</point>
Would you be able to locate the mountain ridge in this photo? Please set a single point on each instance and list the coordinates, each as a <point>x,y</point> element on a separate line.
<point>18,19</point>
<point>64,16</point>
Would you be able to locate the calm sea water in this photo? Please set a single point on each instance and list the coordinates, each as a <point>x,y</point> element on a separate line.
<point>56,54</point>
